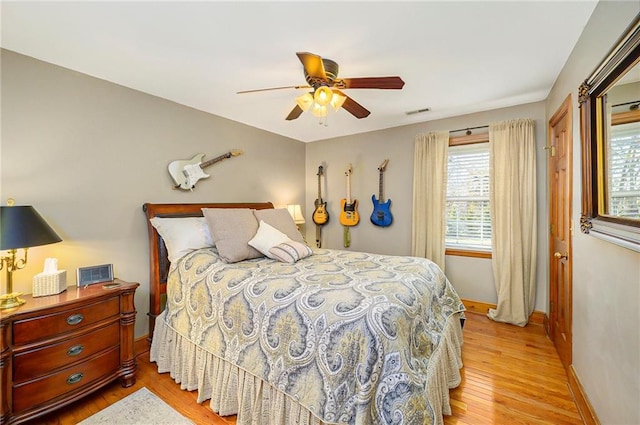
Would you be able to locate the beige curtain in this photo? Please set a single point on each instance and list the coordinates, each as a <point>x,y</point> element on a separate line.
<point>512,151</point>
<point>429,190</point>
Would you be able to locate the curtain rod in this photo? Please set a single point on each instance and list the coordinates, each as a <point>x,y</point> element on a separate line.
<point>469,128</point>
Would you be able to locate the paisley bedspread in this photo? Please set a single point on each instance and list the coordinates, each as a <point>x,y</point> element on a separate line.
<point>348,335</point>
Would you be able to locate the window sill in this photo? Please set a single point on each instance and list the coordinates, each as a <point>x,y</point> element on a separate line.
<point>467,253</point>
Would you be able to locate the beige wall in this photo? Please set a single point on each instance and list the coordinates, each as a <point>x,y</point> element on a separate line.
<point>88,153</point>
<point>472,277</point>
<point>606,277</point>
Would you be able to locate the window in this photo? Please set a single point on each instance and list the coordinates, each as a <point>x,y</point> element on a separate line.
<point>468,219</point>
<point>624,170</point>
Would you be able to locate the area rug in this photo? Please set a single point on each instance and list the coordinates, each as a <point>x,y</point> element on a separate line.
<point>139,408</point>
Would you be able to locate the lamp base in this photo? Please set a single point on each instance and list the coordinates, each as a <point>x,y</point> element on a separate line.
<point>11,300</point>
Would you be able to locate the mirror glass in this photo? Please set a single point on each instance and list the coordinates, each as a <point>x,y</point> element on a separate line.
<point>621,174</point>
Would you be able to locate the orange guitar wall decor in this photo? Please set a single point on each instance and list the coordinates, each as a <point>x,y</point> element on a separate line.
<point>349,215</point>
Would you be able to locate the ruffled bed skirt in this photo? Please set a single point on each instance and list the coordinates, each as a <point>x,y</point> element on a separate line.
<point>255,402</point>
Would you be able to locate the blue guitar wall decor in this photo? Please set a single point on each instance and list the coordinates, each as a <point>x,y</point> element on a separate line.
<point>381,215</point>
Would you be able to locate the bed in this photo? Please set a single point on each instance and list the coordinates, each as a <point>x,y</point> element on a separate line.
<point>331,337</point>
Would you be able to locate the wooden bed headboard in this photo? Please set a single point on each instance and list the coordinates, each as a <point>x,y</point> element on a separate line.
<point>158,260</point>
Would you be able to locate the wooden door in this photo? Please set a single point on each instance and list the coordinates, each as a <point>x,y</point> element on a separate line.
<point>560,192</point>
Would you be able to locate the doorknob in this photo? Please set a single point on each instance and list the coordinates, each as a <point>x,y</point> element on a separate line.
<point>560,256</point>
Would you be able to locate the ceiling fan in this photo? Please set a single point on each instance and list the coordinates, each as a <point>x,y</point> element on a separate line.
<point>322,76</point>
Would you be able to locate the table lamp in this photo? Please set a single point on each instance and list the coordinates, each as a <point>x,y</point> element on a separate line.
<point>21,227</point>
<point>296,214</point>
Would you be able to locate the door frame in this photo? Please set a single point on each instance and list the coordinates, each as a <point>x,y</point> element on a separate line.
<point>564,111</point>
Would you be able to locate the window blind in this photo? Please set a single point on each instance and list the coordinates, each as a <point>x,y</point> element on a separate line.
<point>624,170</point>
<point>468,219</point>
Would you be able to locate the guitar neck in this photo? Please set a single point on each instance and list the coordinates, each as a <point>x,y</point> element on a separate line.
<point>380,188</point>
<point>348,188</point>
<point>319,194</point>
<point>216,159</point>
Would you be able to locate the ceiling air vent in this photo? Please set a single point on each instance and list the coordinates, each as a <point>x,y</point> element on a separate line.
<point>418,111</point>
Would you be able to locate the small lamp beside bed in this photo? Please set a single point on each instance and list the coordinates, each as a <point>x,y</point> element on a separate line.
<point>296,213</point>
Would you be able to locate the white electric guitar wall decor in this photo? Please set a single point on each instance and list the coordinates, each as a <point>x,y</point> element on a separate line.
<point>185,174</point>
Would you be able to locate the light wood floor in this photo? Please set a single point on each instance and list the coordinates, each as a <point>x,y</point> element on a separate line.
<point>511,375</point>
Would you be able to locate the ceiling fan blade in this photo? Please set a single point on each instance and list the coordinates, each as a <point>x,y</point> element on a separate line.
<point>273,88</point>
<point>388,83</point>
<point>353,107</point>
<point>295,113</point>
<point>312,65</point>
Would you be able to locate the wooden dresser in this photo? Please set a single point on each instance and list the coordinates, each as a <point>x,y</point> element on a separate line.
<point>59,348</point>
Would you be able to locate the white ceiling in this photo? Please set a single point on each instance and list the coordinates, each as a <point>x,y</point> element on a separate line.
<point>455,57</point>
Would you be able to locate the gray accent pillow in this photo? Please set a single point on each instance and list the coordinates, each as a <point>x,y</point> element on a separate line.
<point>232,229</point>
<point>281,220</point>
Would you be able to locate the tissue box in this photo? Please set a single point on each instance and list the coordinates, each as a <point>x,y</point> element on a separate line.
<point>49,283</point>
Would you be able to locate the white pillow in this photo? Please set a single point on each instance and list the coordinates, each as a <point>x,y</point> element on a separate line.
<point>281,220</point>
<point>182,235</point>
<point>290,251</point>
<point>266,238</point>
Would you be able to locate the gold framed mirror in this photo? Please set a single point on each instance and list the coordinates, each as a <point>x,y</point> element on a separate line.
<point>610,130</point>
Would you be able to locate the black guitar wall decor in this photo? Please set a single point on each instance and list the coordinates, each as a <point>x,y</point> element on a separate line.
<point>320,214</point>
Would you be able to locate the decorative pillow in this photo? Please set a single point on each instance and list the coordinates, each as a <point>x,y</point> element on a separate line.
<point>281,220</point>
<point>290,251</point>
<point>182,235</point>
<point>232,229</point>
<point>266,238</point>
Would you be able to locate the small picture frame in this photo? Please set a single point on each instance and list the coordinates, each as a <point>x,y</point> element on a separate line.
<point>94,274</point>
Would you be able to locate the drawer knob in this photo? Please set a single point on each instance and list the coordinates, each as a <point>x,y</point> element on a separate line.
<point>74,378</point>
<point>75,350</point>
<point>74,319</point>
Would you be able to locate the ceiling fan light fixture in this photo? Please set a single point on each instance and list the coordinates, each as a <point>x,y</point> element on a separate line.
<point>319,110</point>
<point>305,101</point>
<point>321,75</point>
<point>337,101</point>
<point>323,95</point>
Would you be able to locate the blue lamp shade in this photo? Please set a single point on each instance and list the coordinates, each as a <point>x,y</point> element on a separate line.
<point>23,227</point>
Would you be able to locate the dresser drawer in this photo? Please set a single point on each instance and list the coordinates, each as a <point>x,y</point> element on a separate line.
<point>70,379</point>
<point>43,327</point>
<point>44,360</point>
